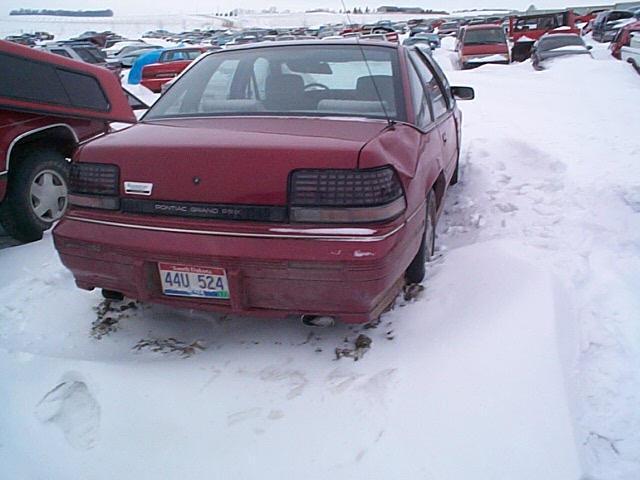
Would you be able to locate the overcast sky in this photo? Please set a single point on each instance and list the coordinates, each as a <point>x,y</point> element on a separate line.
<point>201,6</point>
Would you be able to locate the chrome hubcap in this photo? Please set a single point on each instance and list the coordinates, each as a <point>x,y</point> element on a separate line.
<point>48,195</point>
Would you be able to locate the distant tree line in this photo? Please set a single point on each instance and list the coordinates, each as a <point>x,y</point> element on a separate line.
<point>63,13</point>
<point>413,10</point>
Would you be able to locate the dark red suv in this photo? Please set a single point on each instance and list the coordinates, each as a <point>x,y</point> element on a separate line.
<point>48,105</point>
<point>271,180</point>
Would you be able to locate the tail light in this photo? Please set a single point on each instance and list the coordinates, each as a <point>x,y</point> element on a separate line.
<point>345,196</point>
<point>94,185</point>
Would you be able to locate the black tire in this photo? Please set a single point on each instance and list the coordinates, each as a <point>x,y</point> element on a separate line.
<point>21,212</point>
<point>417,270</point>
<point>454,177</point>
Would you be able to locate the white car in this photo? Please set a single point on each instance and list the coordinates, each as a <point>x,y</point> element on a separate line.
<point>118,47</point>
<point>631,53</point>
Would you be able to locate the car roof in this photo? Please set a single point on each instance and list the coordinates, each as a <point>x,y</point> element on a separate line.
<point>179,49</point>
<point>316,43</point>
<point>483,27</point>
<point>560,35</point>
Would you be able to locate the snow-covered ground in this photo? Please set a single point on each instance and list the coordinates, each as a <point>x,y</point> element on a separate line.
<point>519,360</point>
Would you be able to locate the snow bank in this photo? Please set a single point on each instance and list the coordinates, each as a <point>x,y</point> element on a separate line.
<point>466,381</point>
<point>550,159</point>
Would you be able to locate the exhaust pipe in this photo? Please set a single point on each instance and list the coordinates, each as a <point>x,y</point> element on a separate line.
<point>317,320</point>
<point>112,295</point>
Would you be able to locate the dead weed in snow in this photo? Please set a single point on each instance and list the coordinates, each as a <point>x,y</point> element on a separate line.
<point>357,351</point>
<point>169,345</point>
<point>108,315</point>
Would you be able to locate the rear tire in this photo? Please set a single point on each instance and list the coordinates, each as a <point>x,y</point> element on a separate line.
<point>37,195</point>
<point>454,177</point>
<point>417,269</point>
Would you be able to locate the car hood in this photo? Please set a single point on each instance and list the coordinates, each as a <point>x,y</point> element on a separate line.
<point>485,49</point>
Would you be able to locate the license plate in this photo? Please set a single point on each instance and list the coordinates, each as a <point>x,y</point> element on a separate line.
<point>191,281</point>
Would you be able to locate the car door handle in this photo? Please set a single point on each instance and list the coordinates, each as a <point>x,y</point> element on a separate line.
<point>444,137</point>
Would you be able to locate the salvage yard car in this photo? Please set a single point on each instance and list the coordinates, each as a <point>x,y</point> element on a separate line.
<point>171,63</point>
<point>48,105</point>
<point>557,45</point>
<point>278,179</point>
<point>631,54</point>
<point>607,24</point>
<point>623,38</point>
<point>482,44</point>
<point>524,30</point>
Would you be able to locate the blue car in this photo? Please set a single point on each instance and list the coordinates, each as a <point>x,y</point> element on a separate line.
<point>135,74</point>
<point>431,39</point>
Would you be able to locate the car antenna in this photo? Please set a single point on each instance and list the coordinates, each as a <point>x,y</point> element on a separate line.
<point>390,122</point>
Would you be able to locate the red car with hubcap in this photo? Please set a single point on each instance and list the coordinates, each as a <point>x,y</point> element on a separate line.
<point>48,106</point>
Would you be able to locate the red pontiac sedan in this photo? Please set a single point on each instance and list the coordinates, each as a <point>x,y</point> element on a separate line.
<point>274,180</point>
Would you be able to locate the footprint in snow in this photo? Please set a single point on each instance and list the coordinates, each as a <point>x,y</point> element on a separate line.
<point>71,407</point>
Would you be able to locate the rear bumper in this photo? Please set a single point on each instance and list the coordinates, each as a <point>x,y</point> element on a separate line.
<point>353,281</point>
<point>472,64</point>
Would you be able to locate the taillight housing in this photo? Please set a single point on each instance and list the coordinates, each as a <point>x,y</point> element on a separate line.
<point>345,196</point>
<point>94,185</point>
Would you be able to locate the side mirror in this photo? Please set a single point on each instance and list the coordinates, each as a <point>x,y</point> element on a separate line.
<point>463,93</point>
<point>589,47</point>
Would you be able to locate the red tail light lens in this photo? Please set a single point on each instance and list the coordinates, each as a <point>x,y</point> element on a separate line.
<point>94,185</point>
<point>345,196</point>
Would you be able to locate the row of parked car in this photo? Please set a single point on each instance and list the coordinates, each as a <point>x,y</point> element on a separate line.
<point>542,36</point>
<point>274,179</point>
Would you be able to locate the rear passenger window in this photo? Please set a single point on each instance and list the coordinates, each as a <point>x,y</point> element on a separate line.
<point>419,99</point>
<point>444,83</point>
<point>84,90</point>
<point>43,83</point>
<point>434,91</point>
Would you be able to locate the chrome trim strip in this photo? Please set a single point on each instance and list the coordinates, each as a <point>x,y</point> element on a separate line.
<point>138,188</point>
<point>330,238</point>
<point>31,132</point>
<point>345,118</point>
<point>98,135</point>
<point>4,173</point>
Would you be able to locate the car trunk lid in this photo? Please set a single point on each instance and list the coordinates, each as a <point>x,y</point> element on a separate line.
<point>225,161</point>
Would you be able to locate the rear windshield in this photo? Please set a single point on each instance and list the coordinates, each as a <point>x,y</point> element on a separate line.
<point>173,55</point>
<point>615,16</point>
<point>553,42</point>
<point>484,36</point>
<point>289,80</point>
<point>90,54</point>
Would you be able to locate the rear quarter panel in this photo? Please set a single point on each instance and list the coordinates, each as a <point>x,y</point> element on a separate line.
<point>416,156</point>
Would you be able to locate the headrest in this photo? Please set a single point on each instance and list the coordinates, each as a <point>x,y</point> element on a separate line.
<point>367,90</point>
